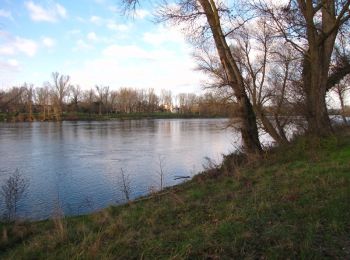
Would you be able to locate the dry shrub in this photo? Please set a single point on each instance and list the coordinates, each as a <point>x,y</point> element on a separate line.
<point>95,247</point>
<point>60,224</point>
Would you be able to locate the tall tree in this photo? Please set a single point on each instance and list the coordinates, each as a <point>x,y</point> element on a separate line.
<point>191,12</point>
<point>340,90</point>
<point>312,28</point>
<point>60,88</point>
<point>76,96</point>
<point>29,93</point>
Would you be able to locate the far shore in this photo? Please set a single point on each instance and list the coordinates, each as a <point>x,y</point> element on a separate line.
<point>23,117</point>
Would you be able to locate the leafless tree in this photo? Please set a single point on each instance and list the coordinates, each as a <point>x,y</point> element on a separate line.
<point>191,14</point>
<point>340,90</point>
<point>42,99</point>
<point>125,184</point>
<point>76,96</point>
<point>161,172</point>
<point>12,192</point>
<point>60,90</point>
<point>312,28</point>
<point>257,54</point>
<point>166,99</point>
<point>29,96</point>
<point>89,98</point>
<point>102,95</point>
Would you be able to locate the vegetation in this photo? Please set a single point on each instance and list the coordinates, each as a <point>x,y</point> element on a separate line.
<point>266,61</point>
<point>73,116</point>
<point>62,101</point>
<point>293,203</point>
<point>288,55</point>
<point>12,192</point>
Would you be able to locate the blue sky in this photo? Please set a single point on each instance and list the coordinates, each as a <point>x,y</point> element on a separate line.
<point>93,43</point>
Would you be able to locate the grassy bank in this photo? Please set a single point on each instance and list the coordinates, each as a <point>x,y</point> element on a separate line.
<point>295,203</point>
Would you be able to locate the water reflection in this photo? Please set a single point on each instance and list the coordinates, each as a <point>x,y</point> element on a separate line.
<point>78,163</point>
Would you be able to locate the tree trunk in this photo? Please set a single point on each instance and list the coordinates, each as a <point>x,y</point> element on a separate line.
<point>342,106</point>
<point>30,111</point>
<point>248,127</point>
<point>270,129</point>
<point>315,77</point>
<point>316,63</point>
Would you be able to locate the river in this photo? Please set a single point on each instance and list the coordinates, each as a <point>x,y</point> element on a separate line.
<point>75,167</point>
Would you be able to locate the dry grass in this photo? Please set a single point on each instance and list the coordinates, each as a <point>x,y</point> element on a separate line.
<point>294,203</point>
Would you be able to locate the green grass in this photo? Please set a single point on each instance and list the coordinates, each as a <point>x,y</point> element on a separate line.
<point>295,203</point>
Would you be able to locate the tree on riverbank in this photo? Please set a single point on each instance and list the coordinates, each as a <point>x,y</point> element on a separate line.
<point>49,102</point>
<point>314,29</point>
<point>311,28</point>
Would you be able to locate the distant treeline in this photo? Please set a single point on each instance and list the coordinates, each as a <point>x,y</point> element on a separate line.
<point>60,100</point>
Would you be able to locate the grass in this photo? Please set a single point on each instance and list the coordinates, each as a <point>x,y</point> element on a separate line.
<point>294,203</point>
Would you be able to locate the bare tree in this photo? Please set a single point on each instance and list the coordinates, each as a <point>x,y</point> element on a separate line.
<point>340,90</point>
<point>76,96</point>
<point>254,49</point>
<point>29,96</point>
<point>125,185</point>
<point>152,101</point>
<point>312,28</point>
<point>13,100</point>
<point>191,12</point>
<point>60,90</point>
<point>102,95</point>
<point>12,192</point>
<point>42,99</point>
<point>90,97</point>
<point>166,99</point>
<point>262,58</point>
<point>161,172</point>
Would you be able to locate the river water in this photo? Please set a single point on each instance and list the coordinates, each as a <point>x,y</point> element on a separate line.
<point>75,167</point>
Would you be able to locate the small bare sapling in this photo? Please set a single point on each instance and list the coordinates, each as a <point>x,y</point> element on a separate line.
<point>125,184</point>
<point>161,172</point>
<point>12,191</point>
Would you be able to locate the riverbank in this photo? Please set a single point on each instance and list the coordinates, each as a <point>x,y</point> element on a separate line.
<point>23,117</point>
<point>295,203</point>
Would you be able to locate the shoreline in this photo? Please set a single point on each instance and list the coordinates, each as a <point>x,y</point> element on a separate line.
<point>87,117</point>
<point>293,202</point>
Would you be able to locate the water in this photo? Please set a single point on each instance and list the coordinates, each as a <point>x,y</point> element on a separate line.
<point>75,166</point>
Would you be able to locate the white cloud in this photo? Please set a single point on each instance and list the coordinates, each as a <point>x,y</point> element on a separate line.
<point>19,45</point>
<point>7,50</point>
<point>142,13</point>
<point>82,45</point>
<point>26,46</point>
<point>10,65</point>
<point>128,52</point>
<point>13,63</point>
<point>109,23</point>
<point>96,20</point>
<point>163,35</point>
<point>51,13</point>
<point>112,25</point>
<point>134,66</point>
<point>6,14</point>
<point>114,8</point>
<point>74,32</point>
<point>48,42</point>
<point>92,36</point>
<point>61,11</point>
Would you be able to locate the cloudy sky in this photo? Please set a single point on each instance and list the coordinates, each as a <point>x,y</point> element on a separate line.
<point>93,43</point>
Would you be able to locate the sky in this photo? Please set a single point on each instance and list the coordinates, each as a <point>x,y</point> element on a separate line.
<point>91,41</point>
